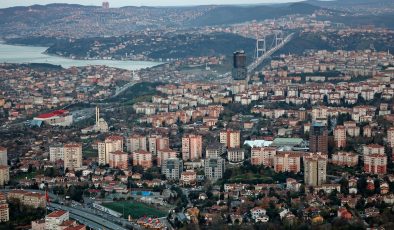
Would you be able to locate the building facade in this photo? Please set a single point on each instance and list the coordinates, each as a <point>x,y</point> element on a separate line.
<point>136,142</point>
<point>55,218</point>
<point>4,209</point>
<point>142,158</point>
<point>287,162</point>
<point>315,169</point>
<point>172,168</point>
<point>231,138</point>
<point>3,156</point>
<point>318,138</point>
<point>345,159</point>
<point>4,175</point>
<point>235,154</point>
<point>164,154</point>
<point>340,136</point>
<point>109,145</point>
<point>191,147</point>
<point>214,168</point>
<point>72,156</point>
<point>119,159</point>
<point>375,164</point>
<point>157,142</point>
<point>263,156</point>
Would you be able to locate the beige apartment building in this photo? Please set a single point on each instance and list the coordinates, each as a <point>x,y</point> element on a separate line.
<point>315,169</point>
<point>231,138</point>
<point>111,144</point>
<point>191,147</point>
<point>4,175</point>
<point>72,156</point>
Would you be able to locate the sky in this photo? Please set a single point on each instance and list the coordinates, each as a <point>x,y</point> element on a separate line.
<point>119,3</point>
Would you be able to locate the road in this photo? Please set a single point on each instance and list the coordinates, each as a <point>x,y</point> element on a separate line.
<point>123,88</point>
<point>226,77</point>
<point>93,221</point>
<point>92,218</point>
<point>259,60</point>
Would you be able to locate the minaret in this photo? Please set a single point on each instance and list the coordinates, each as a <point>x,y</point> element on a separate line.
<point>97,115</point>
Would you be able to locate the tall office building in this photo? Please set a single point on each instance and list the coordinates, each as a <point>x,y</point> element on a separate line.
<point>172,168</point>
<point>239,71</point>
<point>3,156</point>
<point>318,138</point>
<point>315,169</point>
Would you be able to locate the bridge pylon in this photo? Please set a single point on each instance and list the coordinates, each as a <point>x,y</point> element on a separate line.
<point>261,47</point>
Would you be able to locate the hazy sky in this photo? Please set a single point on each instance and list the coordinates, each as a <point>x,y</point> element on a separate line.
<point>117,3</point>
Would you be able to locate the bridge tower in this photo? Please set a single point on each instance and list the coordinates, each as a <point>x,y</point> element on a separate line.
<point>261,46</point>
<point>278,37</point>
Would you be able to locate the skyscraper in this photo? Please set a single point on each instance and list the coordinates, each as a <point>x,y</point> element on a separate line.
<point>318,138</point>
<point>239,66</point>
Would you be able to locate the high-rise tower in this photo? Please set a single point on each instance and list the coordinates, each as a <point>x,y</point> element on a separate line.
<point>318,138</point>
<point>239,66</point>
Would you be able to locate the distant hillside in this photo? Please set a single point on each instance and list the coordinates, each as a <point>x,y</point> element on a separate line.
<point>353,4</point>
<point>169,46</point>
<point>77,21</point>
<point>331,41</point>
<point>238,14</point>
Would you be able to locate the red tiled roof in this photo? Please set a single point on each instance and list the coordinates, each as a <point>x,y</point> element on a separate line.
<point>57,214</point>
<point>53,114</point>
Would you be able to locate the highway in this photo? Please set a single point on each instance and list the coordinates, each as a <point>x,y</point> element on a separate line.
<point>226,77</point>
<point>92,218</point>
<point>259,60</point>
<point>123,88</point>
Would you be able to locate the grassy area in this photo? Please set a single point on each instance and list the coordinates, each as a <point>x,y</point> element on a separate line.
<point>135,209</point>
<point>249,176</point>
<point>143,98</point>
<point>28,175</point>
<point>90,153</point>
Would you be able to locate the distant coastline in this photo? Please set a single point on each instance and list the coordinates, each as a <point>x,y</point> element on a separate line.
<point>21,54</point>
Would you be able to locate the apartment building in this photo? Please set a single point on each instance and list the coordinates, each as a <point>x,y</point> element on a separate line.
<point>72,154</point>
<point>118,159</point>
<point>142,158</point>
<point>191,147</point>
<point>287,162</point>
<point>231,138</point>
<point>109,145</point>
